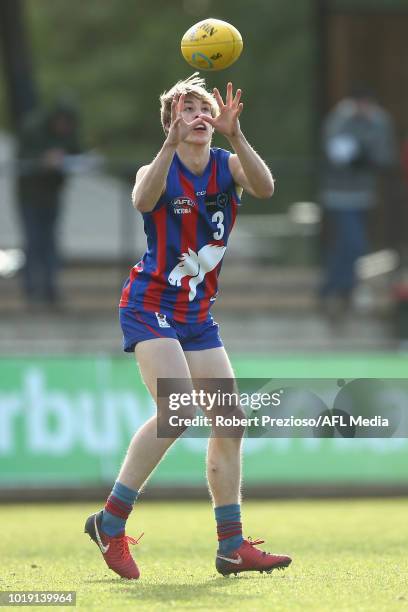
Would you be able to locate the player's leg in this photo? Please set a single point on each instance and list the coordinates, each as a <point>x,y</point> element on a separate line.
<point>161,358</point>
<point>157,358</point>
<point>224,479</point>
<point>154,342</point>
<point>224,454</point>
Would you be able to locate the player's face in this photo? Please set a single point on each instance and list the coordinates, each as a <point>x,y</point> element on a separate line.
<point>193,107</point>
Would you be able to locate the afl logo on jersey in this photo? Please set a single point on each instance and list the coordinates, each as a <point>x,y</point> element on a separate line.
<point>182,206</point>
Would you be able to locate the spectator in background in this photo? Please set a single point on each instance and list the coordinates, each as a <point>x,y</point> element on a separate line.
<point>46,138</point>
<point>358,143</point>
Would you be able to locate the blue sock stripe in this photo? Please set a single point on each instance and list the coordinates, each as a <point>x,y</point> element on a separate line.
<point>228,513</point>
<point>229,544</point>
<point>229,521</point>
<point>126,495</point>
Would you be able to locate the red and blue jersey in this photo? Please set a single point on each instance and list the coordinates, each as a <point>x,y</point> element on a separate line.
<point>187,234</point>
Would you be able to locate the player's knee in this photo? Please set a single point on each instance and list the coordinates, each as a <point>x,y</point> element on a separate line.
<point>229,424</point>
<point>186,413</point>
<point>176,422</point>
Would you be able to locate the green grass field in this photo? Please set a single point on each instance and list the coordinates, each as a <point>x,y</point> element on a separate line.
<point>348,555</point>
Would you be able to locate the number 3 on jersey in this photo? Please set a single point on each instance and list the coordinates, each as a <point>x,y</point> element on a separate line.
<point>218,218</point>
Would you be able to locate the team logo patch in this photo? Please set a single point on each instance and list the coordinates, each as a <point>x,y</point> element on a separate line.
<point>182,205</point>
<point>161,319</point>
<point>196,266</point>
<point>218,200</point>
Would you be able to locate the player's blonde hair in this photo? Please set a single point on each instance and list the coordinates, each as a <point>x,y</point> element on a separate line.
<point>194,85</point>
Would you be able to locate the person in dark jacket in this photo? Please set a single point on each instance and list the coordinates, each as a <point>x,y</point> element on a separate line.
<point>358,144</point>
<point>45,140</point>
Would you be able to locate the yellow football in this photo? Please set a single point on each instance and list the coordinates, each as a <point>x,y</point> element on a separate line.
<point>211,44</point>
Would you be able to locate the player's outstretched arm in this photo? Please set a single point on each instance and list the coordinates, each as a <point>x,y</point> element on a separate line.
<point>247,168</point>
<point>151,180</point>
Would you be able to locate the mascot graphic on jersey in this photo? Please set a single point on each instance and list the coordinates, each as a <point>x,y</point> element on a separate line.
<point>196,265</point>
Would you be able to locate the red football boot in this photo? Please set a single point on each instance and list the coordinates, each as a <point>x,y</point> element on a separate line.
<point>247,558</point>
<point>115,550</point>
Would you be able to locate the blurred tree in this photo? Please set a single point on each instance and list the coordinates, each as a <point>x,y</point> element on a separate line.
<point>119,56</point>
<point>18,72</point>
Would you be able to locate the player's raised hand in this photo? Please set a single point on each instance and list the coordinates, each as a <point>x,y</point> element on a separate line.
<point>179,128</point>
<point>227,122</point>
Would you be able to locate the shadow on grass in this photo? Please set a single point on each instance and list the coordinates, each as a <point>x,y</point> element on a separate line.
<point>106,581</point>
<point>188,591</point>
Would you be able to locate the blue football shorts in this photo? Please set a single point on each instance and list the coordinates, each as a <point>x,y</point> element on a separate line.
<point>139,325</point>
